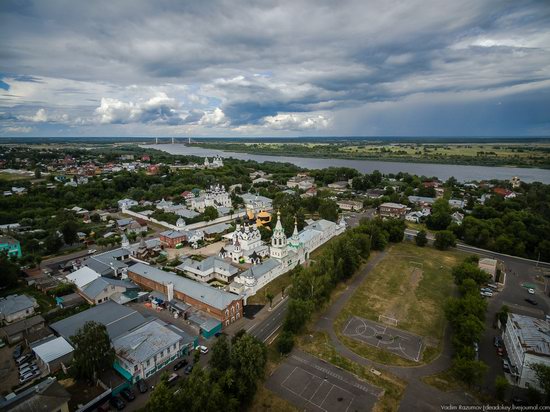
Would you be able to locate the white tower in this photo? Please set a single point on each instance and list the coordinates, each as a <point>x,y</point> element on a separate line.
<point>278,248</point>
<point>124,242</point>
<point>295,239</point>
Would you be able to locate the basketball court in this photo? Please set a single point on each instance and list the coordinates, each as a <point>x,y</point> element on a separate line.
<point>314,385</point>
<point>396,341</point>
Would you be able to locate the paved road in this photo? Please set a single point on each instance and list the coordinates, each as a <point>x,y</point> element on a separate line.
<point>267,329</point>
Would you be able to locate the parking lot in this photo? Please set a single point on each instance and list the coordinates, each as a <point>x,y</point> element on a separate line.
<point>513,295</point>
<point>314,385</point>
<point>397,341</point>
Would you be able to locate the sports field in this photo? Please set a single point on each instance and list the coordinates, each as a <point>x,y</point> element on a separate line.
<point>406,291</point>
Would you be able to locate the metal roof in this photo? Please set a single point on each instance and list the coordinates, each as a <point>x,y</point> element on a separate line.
<point>258,271</point>
<point>53,349</point>
<point>533,333</point>
<point>117,318</point>
<point>214,297</point>
<point>145,342</point>
<point>208,265</point>
<point>83,276</point>
<point>95,287</point>
<point>15,303</point>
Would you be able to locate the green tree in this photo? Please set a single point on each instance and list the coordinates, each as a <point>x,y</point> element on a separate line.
<point>471,372</point>
<point>248,359</point>
<point>542,372</point>
<point>162,398</point>
<point>421,238</point>
<point>9,271</point>
<point>196,356</point>
<point>221,354</point>
<point>298,314</point>
<point>69,231</point>
<point>501,386</point>
<point>328,209</point>
<point>93,351</point>
<point>53,243</point>
<point>269,296</point>
<point>444,240</point>
<point>285,342</point>
<point>440,217</point>
<point>37,174</point>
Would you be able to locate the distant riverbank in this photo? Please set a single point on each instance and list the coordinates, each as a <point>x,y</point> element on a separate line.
<point>471,154</point>
<point>462,173</point>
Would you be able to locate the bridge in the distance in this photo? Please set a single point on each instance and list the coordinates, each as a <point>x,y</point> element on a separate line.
<point>174,140</point>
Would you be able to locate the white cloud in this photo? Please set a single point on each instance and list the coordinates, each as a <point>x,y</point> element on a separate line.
<point>290,121</point>
<point>214,118</point>
<point>17,129</point>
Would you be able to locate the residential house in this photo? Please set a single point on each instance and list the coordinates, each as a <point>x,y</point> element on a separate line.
<point>46,396</point>
<point>18,331</point>
<point>10,246</point>
<point>392,210</point>
<point>16,307</point>
<point>301,181</point>
<point>341,186</point>
<point>101,289</point>
<point>351,205</point>
<point>127,204</point>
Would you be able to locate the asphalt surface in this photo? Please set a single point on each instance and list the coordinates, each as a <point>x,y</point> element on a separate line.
<point>266,329</point>
<point>312,384</point>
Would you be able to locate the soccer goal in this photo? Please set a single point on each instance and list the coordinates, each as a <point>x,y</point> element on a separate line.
<point>387,320</point>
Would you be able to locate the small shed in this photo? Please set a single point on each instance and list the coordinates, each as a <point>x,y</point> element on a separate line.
<point>51,353</point>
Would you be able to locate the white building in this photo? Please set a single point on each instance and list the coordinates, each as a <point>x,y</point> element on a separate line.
<point>256,202</point>
<point>127,204</point>
<point>148,348</point>
<point>301,181</point>
<point>16,307</point>
<point>216,162</point>
<point>527,341</point>
<point>211,268</point>
<point>214,196</point>
<point>246,245</point>
<point>285,254</point>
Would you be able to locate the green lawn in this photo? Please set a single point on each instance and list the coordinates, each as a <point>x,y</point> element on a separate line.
<point>415,297</point>
<point>275,287</point>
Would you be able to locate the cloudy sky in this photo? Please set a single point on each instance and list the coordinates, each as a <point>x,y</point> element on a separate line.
<point>268,68</point>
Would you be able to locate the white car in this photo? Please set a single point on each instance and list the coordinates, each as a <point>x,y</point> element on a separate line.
<point>203,349</point>
<point>486,294</point>
<point>531,291</point>
<point>91,251</point>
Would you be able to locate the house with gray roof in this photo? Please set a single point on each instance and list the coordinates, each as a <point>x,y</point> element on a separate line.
<point>211,268</point>
<point>224,306</point>
<point>117,319</point>
<point>527,342</point>
<point>147,349</point>
<point>46,396</point>
<point>101,289</point>
<point>16,307</point>
<point>111,263</point>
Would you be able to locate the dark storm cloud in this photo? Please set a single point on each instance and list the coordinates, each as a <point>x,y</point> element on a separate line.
<point>108,62</point>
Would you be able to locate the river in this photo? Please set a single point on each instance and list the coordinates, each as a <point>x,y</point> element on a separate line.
<point>462,173</point>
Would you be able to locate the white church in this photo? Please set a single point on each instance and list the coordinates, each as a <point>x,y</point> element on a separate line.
<point>284,253</point>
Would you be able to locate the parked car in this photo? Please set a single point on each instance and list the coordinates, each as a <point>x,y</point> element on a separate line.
<point>500,351</point>
<point>497,341</point>
<point>33,367</point>
<point>128,395</point>
<point>142,386</point>
<point>486,294</point>
<point>117,403</point>
<point>203,349</point>
<point>180,364</point>
<point>492,285</point>
<point>23,359</point>
<point>17,351</point>
<point>531,301</point>
<point>505,365</point>
<point>91,251</point>
<point>489,290</point>
<point>531,291</point>
<point>172,379</point>
<point>28,376</point>
<point>26,364</point>
<point>188,369</point>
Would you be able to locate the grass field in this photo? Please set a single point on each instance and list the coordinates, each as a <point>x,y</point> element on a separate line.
<point>274,287</point>
<point>409,284</point>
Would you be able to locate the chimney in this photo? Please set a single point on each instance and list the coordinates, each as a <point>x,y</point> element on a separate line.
<point>170,291</point>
